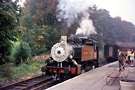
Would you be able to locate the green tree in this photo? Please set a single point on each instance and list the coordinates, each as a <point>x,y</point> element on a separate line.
<point>42,11</point>
<point>111,29</point>
<point>9,18</point>
<point>39,25</point>
<point>52,36</point>
<point>20,52</point>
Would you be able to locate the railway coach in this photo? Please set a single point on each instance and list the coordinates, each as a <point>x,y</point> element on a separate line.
<point>111,53</point>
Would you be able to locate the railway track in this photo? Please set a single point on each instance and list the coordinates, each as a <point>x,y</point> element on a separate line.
<point>35,83</point>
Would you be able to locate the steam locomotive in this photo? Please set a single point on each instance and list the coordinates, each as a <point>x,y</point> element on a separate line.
<point>71,56</point>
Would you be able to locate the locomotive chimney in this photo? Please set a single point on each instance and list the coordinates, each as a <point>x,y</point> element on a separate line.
<point>64,38</point>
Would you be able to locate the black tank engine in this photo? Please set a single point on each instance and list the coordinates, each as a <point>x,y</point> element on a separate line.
<point>71,56</point>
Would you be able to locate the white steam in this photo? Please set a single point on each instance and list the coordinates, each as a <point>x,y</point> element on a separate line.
<point>69,10</point>
<point>86,26</point>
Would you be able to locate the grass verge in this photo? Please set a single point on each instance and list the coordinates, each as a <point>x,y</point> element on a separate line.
<point>11,72</point>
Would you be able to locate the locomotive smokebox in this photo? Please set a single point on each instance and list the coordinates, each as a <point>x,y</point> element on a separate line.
<point>62,50</point>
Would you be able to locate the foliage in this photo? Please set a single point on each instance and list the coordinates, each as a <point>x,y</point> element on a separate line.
<point>111,29</point>
<point>39,25</point>
<point>10,71</point>
<point>20,52</point>
<point>52,36</point>
<point>9,18</point>
<point>26,69</point>
<point>42,38</point>
<point>42,12</point>
<point>6,70</point>
<point>9,12</point>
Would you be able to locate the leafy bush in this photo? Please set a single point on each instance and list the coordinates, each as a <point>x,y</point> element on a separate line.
<point>40,51</point>
<point>20,52</point>
<point>26,69</point>
<point>10,71</point>
<point>9,19</point>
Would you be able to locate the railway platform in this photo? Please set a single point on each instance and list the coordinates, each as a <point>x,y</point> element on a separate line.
<point>103,78</point>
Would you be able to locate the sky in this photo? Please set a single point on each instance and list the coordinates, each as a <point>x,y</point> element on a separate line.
<point>122,8</point>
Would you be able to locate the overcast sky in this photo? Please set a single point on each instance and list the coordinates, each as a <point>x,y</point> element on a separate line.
<point>123,8</point>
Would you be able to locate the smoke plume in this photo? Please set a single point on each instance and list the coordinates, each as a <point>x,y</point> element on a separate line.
<point>86,26</point>
<point>69,10</point>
